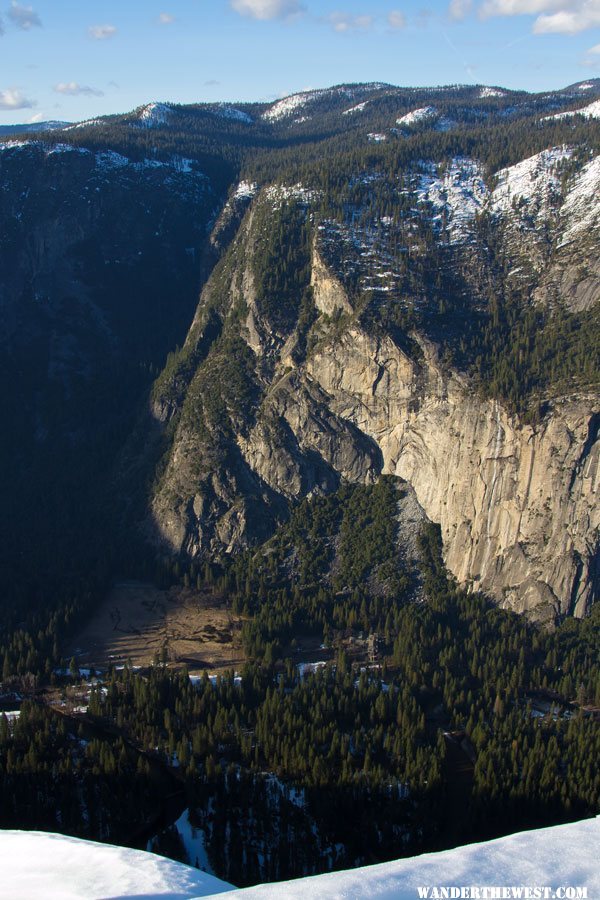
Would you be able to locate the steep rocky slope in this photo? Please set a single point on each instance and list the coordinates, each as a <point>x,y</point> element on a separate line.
<point>517,504</point>
<point>357,323</point>
<point>273,399</point>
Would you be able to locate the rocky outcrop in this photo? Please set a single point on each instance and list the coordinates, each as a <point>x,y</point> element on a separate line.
<point>329,294</point>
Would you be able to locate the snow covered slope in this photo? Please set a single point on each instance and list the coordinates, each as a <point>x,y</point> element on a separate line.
<point>535,180</point>
<point>588,112</point>
<point>417,116</point>
<point>529,197</point>
<point>581,209</point>
<point>153,115</point>
<point>491,92</point>
<point>565,855</point>
<point>37,866</point>
<point>226,111</point>
<point>288,106</point>
<point>458,193</point>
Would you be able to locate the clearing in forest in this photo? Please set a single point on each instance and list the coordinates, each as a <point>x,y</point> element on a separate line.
<point>137,620</point>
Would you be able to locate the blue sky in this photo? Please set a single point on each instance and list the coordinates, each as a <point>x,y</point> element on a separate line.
<point>74,60</point>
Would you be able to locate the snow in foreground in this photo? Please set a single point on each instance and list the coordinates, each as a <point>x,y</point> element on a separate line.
<point>37,866</point>
<point>566,855</point>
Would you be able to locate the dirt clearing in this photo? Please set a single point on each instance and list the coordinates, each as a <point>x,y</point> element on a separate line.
<point>137,621</point>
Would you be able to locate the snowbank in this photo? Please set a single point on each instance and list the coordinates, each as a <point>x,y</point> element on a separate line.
<point>37,866</point>
<point>566,855</point>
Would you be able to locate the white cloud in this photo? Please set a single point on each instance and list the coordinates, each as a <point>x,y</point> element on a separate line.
<point>13,98</point>
<point>73,89</point>
<point>343,22</point>
<point>101,32</point>
<point>23,17</point>
<point>1,26</point>
<point>39,117</point>
<point>459,9</point>
<point>569,21</point>
<point>396,19</point>
<point>595,50</point>
<point>553,16</point>
<point>266,10</point>
<point>166,19</point>
<point>520,7</point>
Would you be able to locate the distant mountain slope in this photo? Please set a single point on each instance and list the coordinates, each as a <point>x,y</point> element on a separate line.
<point>32,127</point>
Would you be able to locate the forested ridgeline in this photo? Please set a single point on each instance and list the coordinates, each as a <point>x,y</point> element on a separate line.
<point>498,130</point>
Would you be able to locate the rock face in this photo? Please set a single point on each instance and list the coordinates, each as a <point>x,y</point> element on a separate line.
<point>517,504</point>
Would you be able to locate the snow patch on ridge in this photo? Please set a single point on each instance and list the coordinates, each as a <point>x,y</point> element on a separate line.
<point>486,92</point>
<point>225,111</point>
<point>592,111</point>
<point>284,108</point>
<point>110,159</point>
<point>360,107</point>
<point>534,182</point>
<point>245,190</point>
<point>456,195</point>
<point>281,193</point>
<point>153,115</point>
<point>66,148</point>
<point>287,106</point>
<point>581,210</point>
<point>87,123</point>
<point>416,116</point>
<point>16,145</point>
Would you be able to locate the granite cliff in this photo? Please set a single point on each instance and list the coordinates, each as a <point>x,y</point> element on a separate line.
<point>268,408</point>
